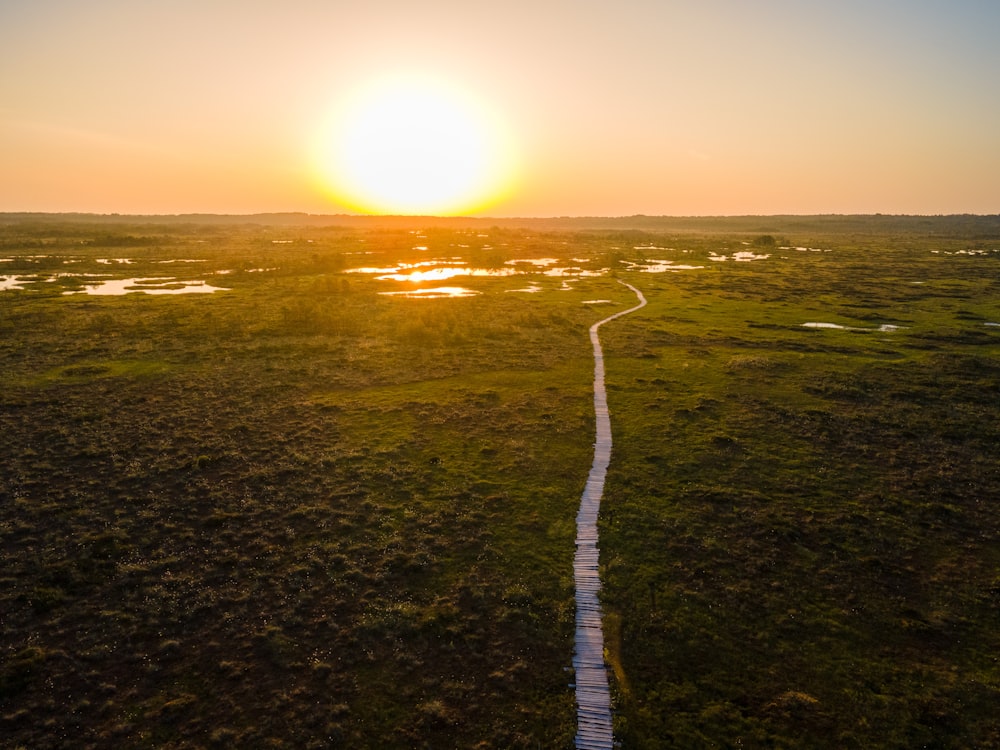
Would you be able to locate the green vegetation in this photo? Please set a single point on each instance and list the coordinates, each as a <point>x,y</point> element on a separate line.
<point>301,514</point>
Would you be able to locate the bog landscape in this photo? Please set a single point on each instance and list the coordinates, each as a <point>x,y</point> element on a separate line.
<point>303,482</point>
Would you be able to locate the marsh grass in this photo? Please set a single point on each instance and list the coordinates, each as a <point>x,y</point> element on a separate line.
<point>799,536</point>
<point>301,514</point>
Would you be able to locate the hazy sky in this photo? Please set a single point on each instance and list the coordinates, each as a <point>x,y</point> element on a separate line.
<point>613,108</point>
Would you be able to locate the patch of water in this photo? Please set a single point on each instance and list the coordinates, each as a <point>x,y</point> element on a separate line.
<point>183,260</point>
<point>597,302</point>
<point>658,266</point>
<point>966,252</point>
<point>454,261</point>
<point>14,282</point>
<point>439,292</point>
<point>538,262</point>
<point>372,269</point>
<point>442,274</point>
<point>883,328</point>
<point>530,289</point>
<point>401,266</point>
<point>119,261</point>
<point>992,325</point>
<point>158,285</point>
<point>574,272</point>
<point>742,256</point>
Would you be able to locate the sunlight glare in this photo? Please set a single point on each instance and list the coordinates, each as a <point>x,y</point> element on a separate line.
<point>411,145</point>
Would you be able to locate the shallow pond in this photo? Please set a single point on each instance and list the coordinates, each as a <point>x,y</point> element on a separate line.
<point>14,282</point>
<point>440,292</point>
<point>442,274</point>
<point>574,272</point>
<point>883,328</point>
<point>158,285</point>
<point>824,325</point>
<point>538,262</point>
<point>532,288</point>
<point>659,266</point>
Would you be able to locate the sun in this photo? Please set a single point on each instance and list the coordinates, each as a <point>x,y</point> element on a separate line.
<point>412,145</point>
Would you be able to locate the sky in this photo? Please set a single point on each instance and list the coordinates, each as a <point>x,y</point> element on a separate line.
<point>656,107</point>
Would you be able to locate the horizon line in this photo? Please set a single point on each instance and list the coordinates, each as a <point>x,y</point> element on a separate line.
<point>474,217</point>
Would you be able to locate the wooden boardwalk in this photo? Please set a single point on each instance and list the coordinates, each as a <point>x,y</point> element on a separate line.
<point>593,698</point>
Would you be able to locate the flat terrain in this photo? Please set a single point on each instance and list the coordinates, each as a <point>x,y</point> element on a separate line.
<point>299,512</point>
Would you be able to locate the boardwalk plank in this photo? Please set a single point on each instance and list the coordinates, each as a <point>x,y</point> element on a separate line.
<point>593,696</point>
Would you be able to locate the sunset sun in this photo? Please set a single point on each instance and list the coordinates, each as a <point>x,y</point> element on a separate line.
<point>414,146</point>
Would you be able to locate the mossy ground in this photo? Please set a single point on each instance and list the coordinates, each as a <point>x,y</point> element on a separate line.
<point>300,514</point>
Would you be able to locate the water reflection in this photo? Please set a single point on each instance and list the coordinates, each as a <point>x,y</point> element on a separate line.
<point>883,328</point>
<point>157,285</point>
<point>537,262</point>
<point>439,292</point>
<point>442,274</point>
<point>743,256</point>
<point>14,282</point>
<point>574,271</point>
<point>532,288</point>
<point>658,266</point>
<point>442,270</point>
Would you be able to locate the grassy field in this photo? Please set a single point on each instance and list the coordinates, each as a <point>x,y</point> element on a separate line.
<point>300,513</point>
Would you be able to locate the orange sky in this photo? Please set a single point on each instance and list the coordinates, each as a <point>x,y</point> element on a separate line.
<point>678,108</point>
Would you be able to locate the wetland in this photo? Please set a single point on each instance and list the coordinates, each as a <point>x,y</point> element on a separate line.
<point>310,510</point>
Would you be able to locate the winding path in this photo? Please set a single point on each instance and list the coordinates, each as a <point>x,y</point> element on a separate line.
<point>593,698</point>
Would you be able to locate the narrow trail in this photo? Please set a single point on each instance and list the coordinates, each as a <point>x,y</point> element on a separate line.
<point>593,698</point>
